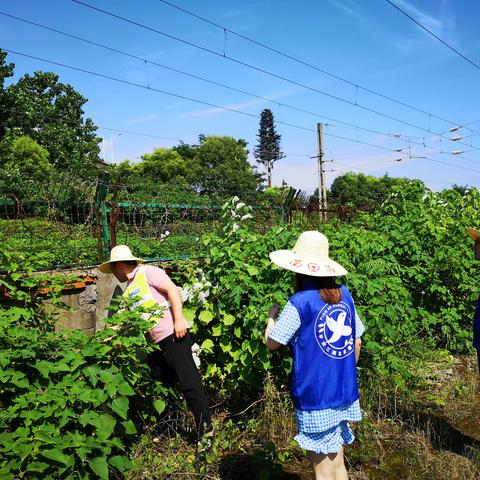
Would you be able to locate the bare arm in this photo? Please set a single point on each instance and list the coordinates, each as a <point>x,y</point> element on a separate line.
<point>358,344</point>
<point>171,292</point>
<point>271,344</point>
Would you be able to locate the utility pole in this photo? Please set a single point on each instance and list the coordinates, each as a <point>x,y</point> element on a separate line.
<point>322,189</point>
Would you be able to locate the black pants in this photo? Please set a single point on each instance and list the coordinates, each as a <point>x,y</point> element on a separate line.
<point>172,362</point>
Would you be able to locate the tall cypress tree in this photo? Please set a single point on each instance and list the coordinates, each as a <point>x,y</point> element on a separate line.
<point>268,149</point>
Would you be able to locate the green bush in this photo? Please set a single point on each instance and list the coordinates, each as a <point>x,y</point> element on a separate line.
<point>70,404</point>
<point>411,273</point>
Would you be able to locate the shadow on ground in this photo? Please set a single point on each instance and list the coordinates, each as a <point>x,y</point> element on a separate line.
<point>245,466</point>
<point>442,434</point>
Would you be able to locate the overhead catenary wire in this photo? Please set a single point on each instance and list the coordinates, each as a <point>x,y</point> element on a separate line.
<point>245,64</point>
<point>307,64</point>
<point>440,152</point>
<point>182,141</point>
<point>184,97</point>
<point>433,34</point>
<point>129,132</point>
<point>197,77</point>
<point>143,134</point>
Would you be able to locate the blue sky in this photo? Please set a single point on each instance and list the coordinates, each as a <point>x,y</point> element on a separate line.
<point>368,43</point>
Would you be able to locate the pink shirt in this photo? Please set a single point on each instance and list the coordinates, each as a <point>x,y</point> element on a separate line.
<point>155,278</point>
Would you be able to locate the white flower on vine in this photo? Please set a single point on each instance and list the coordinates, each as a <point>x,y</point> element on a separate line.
<point>240,205</point>
<point>186,294</point>
<point>235,227</point>
<point>202,297</point>
<point>235,199</point>
<point>246,216</point>
<point>196,352</point>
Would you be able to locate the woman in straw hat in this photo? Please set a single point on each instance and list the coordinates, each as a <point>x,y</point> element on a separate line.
<point>475,236</point>
<point>171,360</point>
<point>321,326</point>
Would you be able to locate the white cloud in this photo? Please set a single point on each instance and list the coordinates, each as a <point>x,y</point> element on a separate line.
<point>350,7</point>
<point>144,119</point>
<point>232,14</point>
<point>435,24</point>
<point>233,106</point>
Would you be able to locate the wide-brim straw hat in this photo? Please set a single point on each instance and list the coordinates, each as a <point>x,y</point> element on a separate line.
<point>309,256</point>
<point>120,253</point>
<point>474,234</point>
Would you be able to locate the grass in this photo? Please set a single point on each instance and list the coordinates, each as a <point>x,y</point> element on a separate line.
<point>404,435</point>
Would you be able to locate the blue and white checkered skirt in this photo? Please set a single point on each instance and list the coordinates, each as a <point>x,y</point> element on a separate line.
<point>329,441</point>
<point>325,431</point>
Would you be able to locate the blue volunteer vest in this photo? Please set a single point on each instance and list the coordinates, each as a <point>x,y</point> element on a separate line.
<point>324,367</point>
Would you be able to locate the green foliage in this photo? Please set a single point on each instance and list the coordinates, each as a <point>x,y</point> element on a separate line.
<point>230,299</point>
<point>195,174</point>
<point>6,71</point>
<point>364,192</point>
<point>268,149</point>
<point>170,247</point>
<point>165,165</point>
<point>61,243</point>
<point>24,163</point>
<point>411,273</point>
<point>68,401</point>
<point>51,113</point>
<point>224,168</point>
<point>26,157</point>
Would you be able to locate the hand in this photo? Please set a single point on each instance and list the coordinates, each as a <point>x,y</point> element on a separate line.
<point>180,328</point>
<point>274,309</point>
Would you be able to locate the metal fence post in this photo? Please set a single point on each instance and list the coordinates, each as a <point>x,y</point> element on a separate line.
<point>103,232</point>
<point>287,203</point>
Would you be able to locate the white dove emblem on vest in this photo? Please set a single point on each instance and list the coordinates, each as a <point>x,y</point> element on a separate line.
<point>338,327</point>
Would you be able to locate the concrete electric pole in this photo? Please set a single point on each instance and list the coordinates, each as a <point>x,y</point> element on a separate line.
<point>322,188</point>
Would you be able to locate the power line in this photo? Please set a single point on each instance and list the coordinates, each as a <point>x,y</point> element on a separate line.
<point>224,56</point>
<point>190,142</point>
<point>183,97</point>
<point>433,35</point>
<point>412,158</point>
<point>302,62</point>
<point>291,154</point>
<point>452,165</point>
<point>128,132</point>
<point>197,77</point>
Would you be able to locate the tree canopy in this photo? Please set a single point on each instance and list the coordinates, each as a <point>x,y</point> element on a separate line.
<point>364,192</point>
<point>268,149</point>
<point>218,167</point>
<point>223,167</point>
<point>50,113</point>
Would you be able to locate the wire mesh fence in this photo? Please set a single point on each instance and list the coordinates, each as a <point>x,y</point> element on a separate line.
<point>158,230</point>
<point>79,234</point>
<point>61,235</point>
